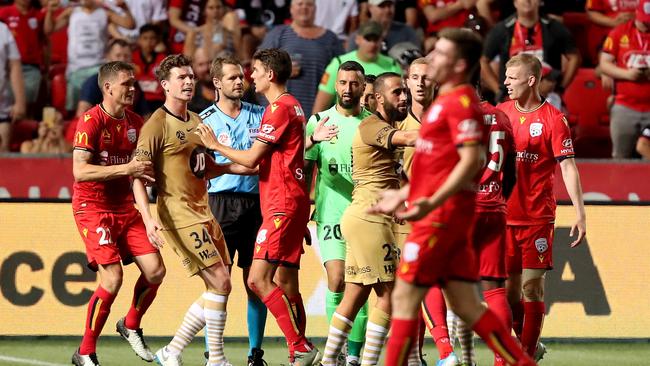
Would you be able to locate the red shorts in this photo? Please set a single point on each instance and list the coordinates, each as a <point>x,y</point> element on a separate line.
<point>434,253</point>
<point>110,237</point>
<point>489,238</point>
<point>529,247</point>
<point>280,239</point>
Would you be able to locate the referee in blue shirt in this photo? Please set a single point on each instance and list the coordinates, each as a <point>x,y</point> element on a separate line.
<point>234,199</point>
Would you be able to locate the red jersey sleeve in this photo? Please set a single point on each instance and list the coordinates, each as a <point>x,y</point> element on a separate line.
<point>274,123</point>
<point>464,122</point>
<point>611,43</point>
<point>596,5</point>
<point>86,136</point>
<point>561,141</point>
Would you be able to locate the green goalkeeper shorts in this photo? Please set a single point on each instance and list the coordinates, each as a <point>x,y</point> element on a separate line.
<point>330,241</point>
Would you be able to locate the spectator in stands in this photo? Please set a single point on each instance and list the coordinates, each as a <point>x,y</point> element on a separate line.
<point>625,59</point>
<point>184,16</point>
<point>609,14</point>
<point>10,61</point>
<point>143,12</point>
<point>27,25</point>
<point>643,143</point>
<point>406,11</point>
<point>220,33</point>
<point>311,48</point>
<point>91,94</point>
<point>339,16</point>
<point>259,16</point>
<point>369,38</point>
<point>394,32</point>
<point>442,14</point>
<point>50,139</point>
<point>87,37</point>
<point>548,84</point>
<point>368,100</point>
<point>527,32</point>
<point>146,61</point>
<point>204,92</point>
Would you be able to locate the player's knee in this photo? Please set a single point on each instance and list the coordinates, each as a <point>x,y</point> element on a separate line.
<point>336,283</point>
<point>253,284</point>
<point>533,290</point>
<point>112,282</point>
<point>156,276</point>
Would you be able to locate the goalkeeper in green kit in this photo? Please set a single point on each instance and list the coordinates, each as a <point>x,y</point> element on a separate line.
<point>329,146</point>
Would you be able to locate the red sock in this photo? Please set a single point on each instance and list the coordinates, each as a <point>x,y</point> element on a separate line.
<point>495,335</point>
<point>498,303</point>
<point>436,310</point>
<point>518,317</point>
<point>279,305</point>
<point>402,337</point>
<point>299,312</point>
<point>99,307</point>
<point>143,295</point>
<point>533,320</point>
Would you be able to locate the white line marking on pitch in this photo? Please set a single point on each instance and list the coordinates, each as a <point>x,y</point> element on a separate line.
<point>28,361</point>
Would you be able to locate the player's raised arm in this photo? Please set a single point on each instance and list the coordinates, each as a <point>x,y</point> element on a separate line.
<point>85,171</point>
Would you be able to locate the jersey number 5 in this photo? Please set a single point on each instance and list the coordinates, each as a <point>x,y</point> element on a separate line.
<point>495,147</point>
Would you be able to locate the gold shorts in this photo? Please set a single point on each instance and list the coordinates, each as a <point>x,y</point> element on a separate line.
<point>199,246</point>
<point>371,253</point>
<point>401,230</point>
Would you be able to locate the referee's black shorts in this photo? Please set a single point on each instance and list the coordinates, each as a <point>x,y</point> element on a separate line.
<point>240,218</point>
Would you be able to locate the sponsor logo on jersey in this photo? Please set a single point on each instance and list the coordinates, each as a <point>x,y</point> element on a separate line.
<point>541,258</point>
<point>132,135</point>
<point>87,117</point>
<point>522,119</point>
<point>465,101</point>
<point>325,78</point>
<point>490,187</point>
<point>535,129</point>
<point>81,138</point>
<point>298,111</point>
<point>638,60</point>
<point>266,130</point>
<point>333,167</point>
<point>608,44</point>
<point>118,127</point>
<point>383,134</point>
<point>273,107</point>
<point>434,113</point>
<point>541,245</point>
<point>85,232</point>
<point>261,237</point>
<point>180,135</point>
<point>567,143</point>
<point>423,146</point>
<point>106,136</point>
<point>489,119</point>
<point>527,157</point>
<point>625,41</point>
<point>469,129</point>
<point>258,248</point>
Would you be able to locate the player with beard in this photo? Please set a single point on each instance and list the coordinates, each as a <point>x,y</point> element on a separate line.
<point>441,200</point>
<point>334,189</point>
<point>371,251</point>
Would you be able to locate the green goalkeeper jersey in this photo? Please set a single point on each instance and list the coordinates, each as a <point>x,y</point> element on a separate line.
<point>334,160</point>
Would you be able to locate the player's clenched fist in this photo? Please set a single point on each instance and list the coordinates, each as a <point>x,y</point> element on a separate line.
<point>141,169</point>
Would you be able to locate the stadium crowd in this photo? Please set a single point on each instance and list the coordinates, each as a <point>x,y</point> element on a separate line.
<point>52,50</point>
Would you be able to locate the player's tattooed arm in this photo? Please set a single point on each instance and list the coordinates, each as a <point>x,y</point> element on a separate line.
<point>84,170</point>
<point>571,179</point>
<point>248,158</point>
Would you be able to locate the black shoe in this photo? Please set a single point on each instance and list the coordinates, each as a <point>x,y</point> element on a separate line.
<point>84,360</point>
<point>255,359</point>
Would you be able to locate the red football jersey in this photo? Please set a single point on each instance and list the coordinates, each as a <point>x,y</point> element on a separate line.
<point>456,20</point>
<point>282,178</point>
<point>453,120</point>
<point>145,74</point>
<point>542,138</point>
<point>631,49</point>
<point>112,142</point>
<point>27,29</point>
<point>489,197</point>
<point>192,14</point>
<point>611,8</point>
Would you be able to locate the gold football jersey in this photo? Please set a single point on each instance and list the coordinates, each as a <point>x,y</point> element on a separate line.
<point>409,123</point>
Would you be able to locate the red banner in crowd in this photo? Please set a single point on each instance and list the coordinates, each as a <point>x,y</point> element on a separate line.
<point>48,178</point>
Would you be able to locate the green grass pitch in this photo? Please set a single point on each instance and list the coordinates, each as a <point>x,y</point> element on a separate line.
<point>113,352</point>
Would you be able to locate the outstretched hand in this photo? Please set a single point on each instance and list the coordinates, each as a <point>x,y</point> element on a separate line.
<point>324,133</point>
<point>207,136</point>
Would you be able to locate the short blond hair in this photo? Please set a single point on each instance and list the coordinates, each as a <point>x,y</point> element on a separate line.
<point>418,61</point>
<point>531,62</point>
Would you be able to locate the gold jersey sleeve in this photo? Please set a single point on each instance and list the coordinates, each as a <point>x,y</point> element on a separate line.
<point>179,160</point>
<point>375,166</point>
<point>410,123</point>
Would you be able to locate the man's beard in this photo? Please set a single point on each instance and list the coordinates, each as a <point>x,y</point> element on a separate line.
<point>393,113</point>
<point>353,101</point>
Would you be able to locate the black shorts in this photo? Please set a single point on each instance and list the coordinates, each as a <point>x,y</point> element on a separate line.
<point>240,218</point>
